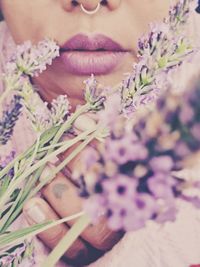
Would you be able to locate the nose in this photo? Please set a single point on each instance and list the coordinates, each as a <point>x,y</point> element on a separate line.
<point>90,5</point>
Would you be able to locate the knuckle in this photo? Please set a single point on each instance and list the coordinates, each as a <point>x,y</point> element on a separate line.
<point>54,236</point>
<point>32,202</point>
<point>76,251</point>
<point>103,238</point>
<point>84,122</point>
<point>102,242</point>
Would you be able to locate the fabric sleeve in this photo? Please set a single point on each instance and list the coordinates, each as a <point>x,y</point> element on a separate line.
<point>175,244</point>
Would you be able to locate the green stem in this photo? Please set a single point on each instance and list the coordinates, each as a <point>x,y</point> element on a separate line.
<point>67,241</point>
<point>31,160</point>
<point>57,169</point>
<point>31,150</point>
<point>7,90</point>
<point>19,236</point>
<point>28,152</point>
<point>37,165</point>
<point>30,193</point>
<point>12,215</point>
<point>66,126</point>
<point>6,217</point>
<point>52,146</point>
<point>10,165</point>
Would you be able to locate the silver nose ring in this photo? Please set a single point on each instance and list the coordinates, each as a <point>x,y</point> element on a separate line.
<point>90,12</point>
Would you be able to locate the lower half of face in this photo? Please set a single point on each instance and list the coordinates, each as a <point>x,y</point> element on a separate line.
<point>117,25</point>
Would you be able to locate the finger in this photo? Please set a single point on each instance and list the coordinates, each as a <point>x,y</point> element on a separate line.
<point>67,170</point>
<point>62,196</point>
<point>37,210</point>
<point>82,123</point>
<point>85,122</point>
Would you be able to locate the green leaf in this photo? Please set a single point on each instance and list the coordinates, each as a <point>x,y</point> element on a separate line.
<point>4,185</point>
<point>48,135</point>
<point>67,241</point>
<point>18,236</point>
<point>7,239</point>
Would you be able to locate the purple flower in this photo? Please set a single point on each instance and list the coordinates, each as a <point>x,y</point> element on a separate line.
<point>142,154</point>
<point>94,93</point>
<point>9,119</point>
<point>115,218</point>
<point>169,214</point>
<point>119,188</point>
<point>95,208</point>
<point>32,59</point>
<point>182,150</point>
<point>160,185</point>
<point>186,114</point>
<point>108,115</point>
<point>196,131</point>
<point>160,51</point>
<point>119,150</point>
<point>161,164</point>
<point>59,109</point>
<point>142,210</point>
<point>14,256</point>
<point>6,159</point>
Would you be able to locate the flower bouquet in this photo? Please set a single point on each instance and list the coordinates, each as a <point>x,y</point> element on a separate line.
<point>146,134</point>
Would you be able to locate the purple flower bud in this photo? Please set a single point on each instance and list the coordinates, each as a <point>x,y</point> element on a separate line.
<point>161,164</point>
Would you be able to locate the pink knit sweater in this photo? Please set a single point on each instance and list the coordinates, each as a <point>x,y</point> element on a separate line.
<point>172,245</point>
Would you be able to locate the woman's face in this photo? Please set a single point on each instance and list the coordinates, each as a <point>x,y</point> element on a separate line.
<point>123,21</point>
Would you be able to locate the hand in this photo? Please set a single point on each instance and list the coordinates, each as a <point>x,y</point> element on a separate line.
<point>59,199</point>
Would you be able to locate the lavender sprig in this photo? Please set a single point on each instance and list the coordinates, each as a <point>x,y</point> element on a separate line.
<point>40,115</point>
<point>159,52</point>
<point>9,119</point>
<point>94,94</point>
<point>179,14</point>
<point>132,178</point>
<point>59,110</point>
<point>29,60</point>
<point>14,256</point>
<point>32,59</point>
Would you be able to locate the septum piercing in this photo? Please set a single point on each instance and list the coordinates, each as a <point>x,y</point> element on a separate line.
<point>90,12</point>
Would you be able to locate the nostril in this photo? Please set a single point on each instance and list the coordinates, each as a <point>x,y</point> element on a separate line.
<point>74,3</point>
<point>104,2</point>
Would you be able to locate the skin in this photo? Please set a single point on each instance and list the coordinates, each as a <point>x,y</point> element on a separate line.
<point>59,190</point>
<point>55,19</point>
<point>122,20</point>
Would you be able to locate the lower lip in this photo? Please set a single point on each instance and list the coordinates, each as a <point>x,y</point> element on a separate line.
<point>88,62</point>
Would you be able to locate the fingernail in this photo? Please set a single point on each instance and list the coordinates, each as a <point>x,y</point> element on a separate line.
<point>35,213</point>
<point>84,122</point>
<point>93,115</point>
<point>53,160</point>
<point>46,172</point>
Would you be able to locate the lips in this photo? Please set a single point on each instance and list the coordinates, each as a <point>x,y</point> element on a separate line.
<point>97,54</point>
<point>97,42</point>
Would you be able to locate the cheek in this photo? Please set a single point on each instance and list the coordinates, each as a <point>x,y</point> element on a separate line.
<point>154,10</point>
<point>141,13</point>
<point>22,24</point>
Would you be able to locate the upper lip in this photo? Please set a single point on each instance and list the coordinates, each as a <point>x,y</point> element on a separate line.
<point>97,42</point>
